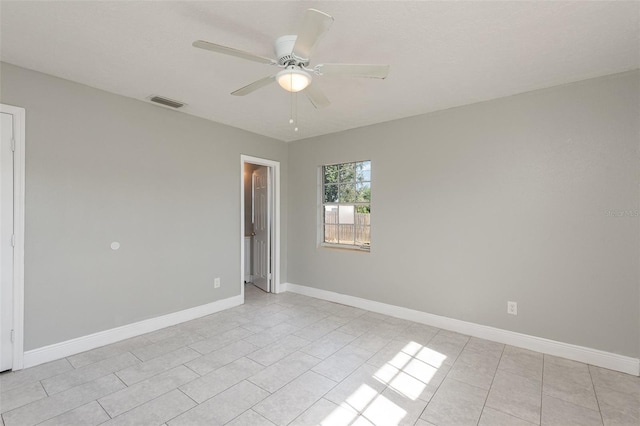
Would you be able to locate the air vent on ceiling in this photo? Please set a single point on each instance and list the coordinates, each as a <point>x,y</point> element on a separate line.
<point>166,102</point>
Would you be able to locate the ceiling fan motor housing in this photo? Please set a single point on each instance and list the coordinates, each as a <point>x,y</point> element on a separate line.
<point>293,53</point>
<point>284,48</point>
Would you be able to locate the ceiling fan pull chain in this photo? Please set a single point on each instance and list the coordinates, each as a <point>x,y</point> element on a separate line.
<point>291,108</point>
<point>291,121</point>
<point>295,110</point>
<point>294,107</point>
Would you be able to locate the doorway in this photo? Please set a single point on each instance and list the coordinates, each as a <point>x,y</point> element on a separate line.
<point>260,223</point>
<point>11,236</point>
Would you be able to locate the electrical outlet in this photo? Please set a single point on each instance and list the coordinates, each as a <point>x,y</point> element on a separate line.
<point>216,283</point>
<point>512,308</point>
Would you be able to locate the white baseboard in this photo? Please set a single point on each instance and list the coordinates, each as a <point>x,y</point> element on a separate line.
<point>101,338</point>
<point>595,357</point>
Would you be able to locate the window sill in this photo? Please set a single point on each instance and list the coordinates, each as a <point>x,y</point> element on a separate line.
<point>365,249</point>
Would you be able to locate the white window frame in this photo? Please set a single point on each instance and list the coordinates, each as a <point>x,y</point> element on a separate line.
<point>321,211</point>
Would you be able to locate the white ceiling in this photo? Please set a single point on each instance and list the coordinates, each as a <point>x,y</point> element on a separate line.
<point>442,54</point>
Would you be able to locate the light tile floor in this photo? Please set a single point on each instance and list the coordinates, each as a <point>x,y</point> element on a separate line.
<point>290,359</point>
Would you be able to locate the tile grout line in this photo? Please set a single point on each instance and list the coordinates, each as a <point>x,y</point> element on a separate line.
<point>491,385</point>
<point>174,417</point>
<point>188,396</point>
<point>65,412</point>
<point>200,377</point>
<point>107,357</point>
<point>78,369</point>
<point>257,402</point>
<point>191,369</point>
<point>43,388</point>
<point>136,356</point>
<point>387,387</point>
<point>144,403</point>
<point>133,384</point>
<point>595,394</point>
<point>257,414</point>
<point>71,364</point>
<point>445,376</point>
<point>85,383</point>
<point>153,375</point>
<point>241,415</point>
<point>542,387</point>
<point>327,377</point>
<point>310,405</point>
<point>248,379</point>
<point>188,345</point>
<point>103,409</point>
<point>571,380</point>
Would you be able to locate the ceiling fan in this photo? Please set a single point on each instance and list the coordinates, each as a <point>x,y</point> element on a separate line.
<point>293,54</point>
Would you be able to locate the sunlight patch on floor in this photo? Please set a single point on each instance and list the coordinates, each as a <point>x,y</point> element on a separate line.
<point>410,370</point>
<point>361,398</point>
<point>424,354</point>
<point>382,411</point>
<point>407,374</point>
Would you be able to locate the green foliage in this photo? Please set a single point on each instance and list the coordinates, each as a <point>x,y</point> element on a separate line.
<point>347,182</point>
<point>347,193</point>
<point>330,193</point>
<point>363,192</point>
<point>331,174</point>
<point>347,172</point>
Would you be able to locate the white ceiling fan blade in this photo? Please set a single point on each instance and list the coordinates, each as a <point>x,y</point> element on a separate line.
<point>316,96</point>
<point>255,86</point>
<point>232,52</point>
<point>354,70</point>
<point>314,25</point>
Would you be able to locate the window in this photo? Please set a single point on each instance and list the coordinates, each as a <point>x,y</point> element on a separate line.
<point>346,205</point>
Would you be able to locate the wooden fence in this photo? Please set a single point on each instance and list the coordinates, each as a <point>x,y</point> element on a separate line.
<point>358,233</point>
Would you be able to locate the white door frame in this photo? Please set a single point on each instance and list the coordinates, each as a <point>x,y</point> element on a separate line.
<point>261,187</point>
<point>19,115</point>
<point>275,220</point>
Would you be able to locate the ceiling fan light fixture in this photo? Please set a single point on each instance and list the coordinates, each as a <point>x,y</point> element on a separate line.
<point>293,79</point>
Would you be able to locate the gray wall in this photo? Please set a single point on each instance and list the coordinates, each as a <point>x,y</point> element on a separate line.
<point>103,168</point>
<point>474,206</point>
<point>497,201</point>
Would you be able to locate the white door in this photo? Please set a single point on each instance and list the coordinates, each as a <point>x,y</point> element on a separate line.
<point>6,246</point>
<point>261,228</point>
